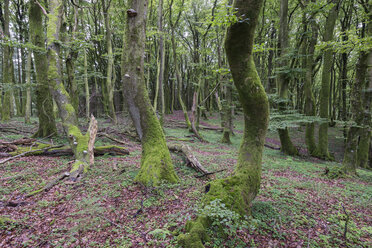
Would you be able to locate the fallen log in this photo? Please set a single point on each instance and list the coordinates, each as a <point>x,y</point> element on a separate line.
<point>67,151</point>
<point>191,160</point>
<point>58,151</point>
<point>27,153</point>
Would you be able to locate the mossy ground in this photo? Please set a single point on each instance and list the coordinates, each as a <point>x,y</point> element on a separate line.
<point>297,205</point>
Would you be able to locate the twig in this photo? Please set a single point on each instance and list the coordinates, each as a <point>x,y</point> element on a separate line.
<point>346,221</point>
<point>110,221</point>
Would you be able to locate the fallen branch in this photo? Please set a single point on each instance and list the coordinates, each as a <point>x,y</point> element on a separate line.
<point>50,184</point>
<point>27,153</point>
<point>58,151</point>
<point>191,160</point>
<point>272,147</point>
<point>112,138</point>
<point>209,173</point>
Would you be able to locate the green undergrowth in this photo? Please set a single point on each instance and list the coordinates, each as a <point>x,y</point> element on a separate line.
<point>296,201</point>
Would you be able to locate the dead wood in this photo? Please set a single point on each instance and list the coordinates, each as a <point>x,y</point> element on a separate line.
<point>191,160</point>
<point>272,147</point>
<point>210,173</point>
<point>50,184</point>
<point>58,151</point>
<point>27,154</point>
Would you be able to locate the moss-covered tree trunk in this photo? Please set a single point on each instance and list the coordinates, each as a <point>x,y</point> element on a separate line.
<point>110,63</point>
<point>156,163</point>
<point>78,141</point>
<point>7,73</point>
<point>238,191</point>
<point>44,102</point>
<point>287,146</point>
<point>322,149</point>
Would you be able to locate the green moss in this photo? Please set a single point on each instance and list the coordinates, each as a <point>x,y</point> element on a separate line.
<point>35,192</point>
<point>22,149</point>
<point>335,172</point>
<point>5,220</point>
<point>287,146</point>
<point>196,233</point>
<point>156,163</point>
<point>77,166</point>
<point>100,148</point>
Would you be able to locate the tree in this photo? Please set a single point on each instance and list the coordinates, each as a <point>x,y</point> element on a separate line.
<point>110,63</point>
<point>322,149</point>
<point>44,102</point>
<point>7,67</point>
<point>361,103</point>
<point>78,141</point>
<point>156,163</point>
<point>239,190</point>
<point>287,146</point>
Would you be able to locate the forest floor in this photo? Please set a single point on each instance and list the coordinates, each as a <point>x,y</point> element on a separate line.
<point>297,205</point>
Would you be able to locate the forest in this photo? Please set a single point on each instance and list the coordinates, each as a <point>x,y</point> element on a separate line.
<point>185,123</point>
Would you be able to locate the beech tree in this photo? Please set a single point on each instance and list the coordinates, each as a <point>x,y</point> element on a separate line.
<point>44,102</point>
<point>239,190</point>
<point>156,163</point>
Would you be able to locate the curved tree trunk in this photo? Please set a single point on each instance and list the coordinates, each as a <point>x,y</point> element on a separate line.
<point>44,102</point>
<point>238,191</point>
<point>156,163</point>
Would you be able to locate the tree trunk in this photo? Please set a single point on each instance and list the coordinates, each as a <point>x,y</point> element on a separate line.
<point>361,110</point>
<point>7,74</point>
<point>78,141</point>
<point>28,88</point>
<point>176,66</point>
<point>156,163</point>
<point>322,149</point>
<point>238,191</point>
<point>110,62</point>
<point>44,102</point>
<point>86,84</point>
<point>309,96</point>
<point>287,146</point>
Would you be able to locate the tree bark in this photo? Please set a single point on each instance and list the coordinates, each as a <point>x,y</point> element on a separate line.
<point>156,163</point>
